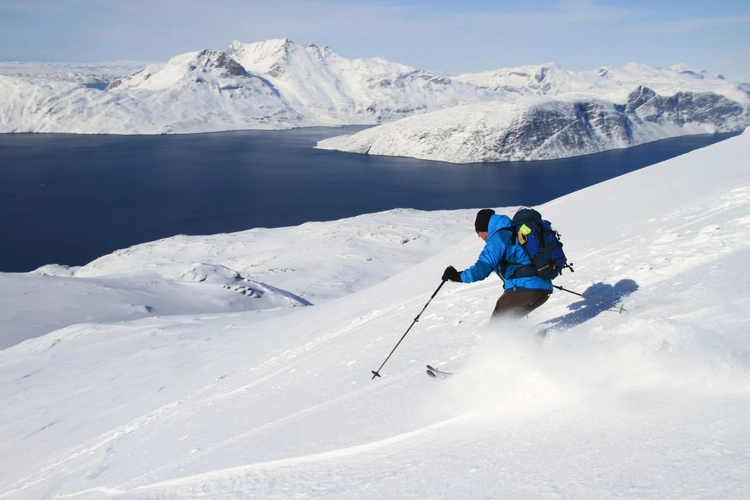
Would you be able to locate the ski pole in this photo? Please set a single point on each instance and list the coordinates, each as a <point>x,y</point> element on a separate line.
<point>620,309</point>
<point>377,373</point>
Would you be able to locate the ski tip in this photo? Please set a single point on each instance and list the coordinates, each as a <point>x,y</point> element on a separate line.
<point>431,373</point>
<point>438,370</point>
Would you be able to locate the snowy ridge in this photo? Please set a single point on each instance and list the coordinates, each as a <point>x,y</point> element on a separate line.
<point>608,82</point>
<point>279,84</point>
<point>651,404</point>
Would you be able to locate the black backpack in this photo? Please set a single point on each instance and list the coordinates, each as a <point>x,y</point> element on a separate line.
<point>540,242</point>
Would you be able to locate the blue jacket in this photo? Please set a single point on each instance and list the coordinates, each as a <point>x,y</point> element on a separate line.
<point>494,254</point>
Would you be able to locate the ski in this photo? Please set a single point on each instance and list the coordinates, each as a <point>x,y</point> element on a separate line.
<point>436,373</point>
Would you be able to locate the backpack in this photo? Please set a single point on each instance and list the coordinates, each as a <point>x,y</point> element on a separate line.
<point>540,242</point>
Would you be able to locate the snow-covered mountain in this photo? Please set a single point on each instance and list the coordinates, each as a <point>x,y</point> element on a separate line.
<point>542,128</point>
<point>195,92</point>
<point>279,402</point>
<point>333,90</point>
<point>279,84</point>
<point>275,84</point>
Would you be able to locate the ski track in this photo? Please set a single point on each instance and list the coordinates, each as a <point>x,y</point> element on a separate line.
<point>289,360</point>
<point>279,423</point>
<point>236,476</point>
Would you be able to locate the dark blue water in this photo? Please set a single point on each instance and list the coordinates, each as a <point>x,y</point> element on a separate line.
<point>69,199</point>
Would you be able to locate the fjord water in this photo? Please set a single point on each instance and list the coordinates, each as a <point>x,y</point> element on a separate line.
<point>68,199</point>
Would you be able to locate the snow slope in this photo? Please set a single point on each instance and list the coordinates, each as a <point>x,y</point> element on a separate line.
<point>648,404</point>
<point>266,270</point>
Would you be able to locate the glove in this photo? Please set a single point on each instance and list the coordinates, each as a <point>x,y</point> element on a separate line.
<point>451,274</point>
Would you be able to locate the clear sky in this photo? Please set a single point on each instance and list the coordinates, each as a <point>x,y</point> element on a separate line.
<point>446,35</point>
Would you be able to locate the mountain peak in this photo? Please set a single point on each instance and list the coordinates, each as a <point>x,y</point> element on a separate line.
<point>183,67</point>
<point>262,57</point>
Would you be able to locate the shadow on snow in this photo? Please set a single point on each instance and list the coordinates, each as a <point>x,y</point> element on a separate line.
<point>584,310</point>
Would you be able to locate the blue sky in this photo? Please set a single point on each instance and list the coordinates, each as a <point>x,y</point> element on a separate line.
<point>450,36</point>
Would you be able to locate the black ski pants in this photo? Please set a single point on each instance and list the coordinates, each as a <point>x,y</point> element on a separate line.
<point>518,303</point>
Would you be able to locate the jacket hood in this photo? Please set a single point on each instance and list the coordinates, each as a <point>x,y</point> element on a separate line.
<point>497,222</point>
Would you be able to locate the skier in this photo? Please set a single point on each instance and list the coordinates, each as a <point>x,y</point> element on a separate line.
<point>501,255</point>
